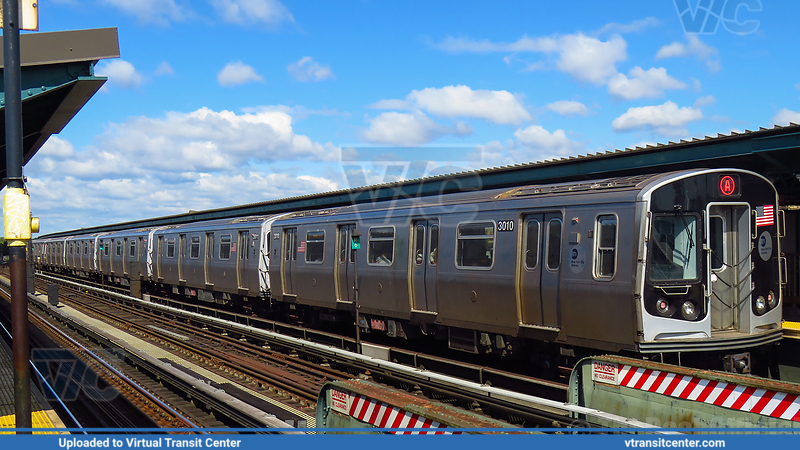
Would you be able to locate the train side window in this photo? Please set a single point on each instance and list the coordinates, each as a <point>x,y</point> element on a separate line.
<point>170,248</point>
<point>106,248</point>
<point>716,234</point>
<point>269,242</point>
<point>554,244</point>
<point>118,249</point>
<point>381,246</point>
<point>85,248</point>
<point>433,255</point>
<point>315,247</point>
<point>194,251</point>
<point>132,252</point>
<point>531,244</point>
<point>605,246</point>
<point>209,245</point>
<point>419,245</point>
<point>343,244</point>
<point>475,245</point>
<point>225,246</point>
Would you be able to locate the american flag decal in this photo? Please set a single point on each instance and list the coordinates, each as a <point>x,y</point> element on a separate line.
<point>765,215</point>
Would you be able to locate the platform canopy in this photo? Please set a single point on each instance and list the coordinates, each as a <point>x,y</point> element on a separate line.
<point>57,81</point>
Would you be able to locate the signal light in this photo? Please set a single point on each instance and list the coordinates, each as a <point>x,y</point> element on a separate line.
<point>662,306</point>
<point>772,300</point>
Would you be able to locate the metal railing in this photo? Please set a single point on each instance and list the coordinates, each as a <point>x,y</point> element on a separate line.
<point>792,288</point>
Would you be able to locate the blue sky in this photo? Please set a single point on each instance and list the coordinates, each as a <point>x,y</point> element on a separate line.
<point>224,102</point>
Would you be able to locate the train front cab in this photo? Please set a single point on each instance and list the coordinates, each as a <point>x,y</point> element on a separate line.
<point>712,278</point>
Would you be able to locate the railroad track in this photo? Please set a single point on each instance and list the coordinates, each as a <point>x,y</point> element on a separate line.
<point>234,358</point>
<point>113,399</point>
<point>229,340</point>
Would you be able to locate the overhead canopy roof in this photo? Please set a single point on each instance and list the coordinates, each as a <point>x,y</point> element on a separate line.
<point>772,152</point>
<point>57,80</point>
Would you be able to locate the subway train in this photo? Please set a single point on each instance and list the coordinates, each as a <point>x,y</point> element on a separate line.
<point>670,265</point>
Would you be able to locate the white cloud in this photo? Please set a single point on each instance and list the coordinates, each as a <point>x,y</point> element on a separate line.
<point>57,147</point>
<point>636,25</point>
<point>121,73</point>
<point>591,60</point>
<point>461,101</point>
<point>667,119</point>
<point>159,12</point>
<point>784,116</point>
<point>523,44</point>
<point>215,159</point>
<point>694,48</point>
<point>408,129</point>
<point>643,84</point>
<point>568,108</point>
<point>236,73</point>
<point>533,143</point>
<point>704,101</point>
<point>585,58</point>
<point>537,138</point>
<point>250,12</point>
<point>202,140</point>
<point>164,69</point>
<point>308,70</point>
<point>108,201</point>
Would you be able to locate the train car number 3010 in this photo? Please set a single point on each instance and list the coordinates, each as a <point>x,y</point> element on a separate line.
<point>505,225</point>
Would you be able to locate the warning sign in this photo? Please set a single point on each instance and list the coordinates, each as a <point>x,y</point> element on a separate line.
<point>605,372</point>
<point>340,401</point>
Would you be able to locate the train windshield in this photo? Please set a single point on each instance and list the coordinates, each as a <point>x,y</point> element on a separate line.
<point>674,248</point>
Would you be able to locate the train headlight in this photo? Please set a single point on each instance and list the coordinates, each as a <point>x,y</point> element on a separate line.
<point>689,310</point>
<point>772,300</point>
<point>662,307</point>
<point>761,305</point>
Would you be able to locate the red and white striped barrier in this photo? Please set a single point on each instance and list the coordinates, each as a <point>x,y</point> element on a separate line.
<point>382,415</point>
<point>718,393</point>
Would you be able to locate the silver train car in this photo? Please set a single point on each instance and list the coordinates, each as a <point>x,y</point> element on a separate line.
<point>683,263</point>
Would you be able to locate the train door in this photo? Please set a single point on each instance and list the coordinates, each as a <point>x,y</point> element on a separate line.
<point>289,265</point>
<point>728,263</point>
<point>424,265</point>
<point>208,261</point>
<point>244,255</point>
<point>540,265</point>
<point>181,257</point>
<point>345,269</point>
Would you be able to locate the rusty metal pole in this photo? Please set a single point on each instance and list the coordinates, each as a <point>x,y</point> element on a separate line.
<point>19,298</point>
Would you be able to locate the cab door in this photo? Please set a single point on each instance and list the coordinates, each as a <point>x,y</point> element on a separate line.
<point>423,264</point>
<point>345,267</point>
<point>728,261</point>
<point>289,265</point>
<point>540,267</point>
